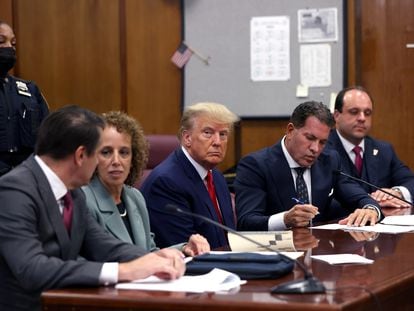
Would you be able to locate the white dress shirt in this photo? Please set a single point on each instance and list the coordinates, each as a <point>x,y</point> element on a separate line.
<point>109,272</point>
<point>275,221</point>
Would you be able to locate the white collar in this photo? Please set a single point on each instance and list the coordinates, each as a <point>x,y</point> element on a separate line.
<point>58,187</point>
<point>348,146</point>
<point>200,170</point>
<point>292,163</point>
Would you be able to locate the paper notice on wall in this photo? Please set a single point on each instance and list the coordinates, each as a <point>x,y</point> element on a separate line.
<point>318,25</point>
<point>269,48</point>
<point>315,65</point>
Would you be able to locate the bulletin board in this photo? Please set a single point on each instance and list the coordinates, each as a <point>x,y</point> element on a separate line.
<point>221,31</point>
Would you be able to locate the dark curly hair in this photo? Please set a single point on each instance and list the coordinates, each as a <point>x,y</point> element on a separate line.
<point>139,144</point>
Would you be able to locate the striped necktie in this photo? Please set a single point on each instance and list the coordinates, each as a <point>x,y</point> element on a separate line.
<point>301,189</point>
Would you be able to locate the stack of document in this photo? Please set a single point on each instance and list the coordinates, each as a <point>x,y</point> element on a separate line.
<point>215,281</point>
<point>338,259</point>
<point>399,220</point>
<point>379,228</point>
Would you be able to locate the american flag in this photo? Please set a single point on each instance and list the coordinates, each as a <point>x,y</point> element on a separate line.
<point>182,55</point>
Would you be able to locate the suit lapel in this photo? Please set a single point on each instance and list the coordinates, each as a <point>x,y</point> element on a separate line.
<point>346,162</point>
<point>51,206</point>
<point>106,205</point>
<point>320,182</point>
<point>223,196</point>
<point>199,185</point>
<point>138,227</point>
<point>78,222</point>
<point>280,173</point>
<point>372,162</point>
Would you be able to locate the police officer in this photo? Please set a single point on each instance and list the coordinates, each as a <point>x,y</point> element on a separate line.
<point>22,107</point>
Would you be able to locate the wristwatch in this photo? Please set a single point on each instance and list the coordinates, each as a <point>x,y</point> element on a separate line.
<point>396,189</point>
<point>373,207</point>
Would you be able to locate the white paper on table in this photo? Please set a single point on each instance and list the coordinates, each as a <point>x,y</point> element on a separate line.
<point>291,255</point>
<point>214,281</point>
<point>343,259</point>
<point>399,220</point>
<point>379,228</point>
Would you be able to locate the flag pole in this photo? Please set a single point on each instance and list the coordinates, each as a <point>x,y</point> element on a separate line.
<point>206,60</point>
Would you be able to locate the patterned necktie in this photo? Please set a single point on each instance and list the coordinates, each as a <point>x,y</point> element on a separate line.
<point>301,189</point>
<point>67,210</point>
<point>212,193</point>
<point>358,159</point>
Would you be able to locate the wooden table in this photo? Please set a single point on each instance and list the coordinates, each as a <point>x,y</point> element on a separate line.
<point>390,279</point>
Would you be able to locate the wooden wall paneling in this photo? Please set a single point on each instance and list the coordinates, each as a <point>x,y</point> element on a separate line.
<point>257,134</point>
<point>153,32</point>
<point>6,14</point>
<point>385,27</point>
<point>154,83</point>
<point>400,73</point>
<point>351,48</point>
<point>71,49</point>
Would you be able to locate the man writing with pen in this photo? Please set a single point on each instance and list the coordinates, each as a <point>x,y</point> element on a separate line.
<point>293,183</point>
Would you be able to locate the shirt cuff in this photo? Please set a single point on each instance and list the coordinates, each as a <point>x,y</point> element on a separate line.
<point>276,222</point>
<point>405,193</point>
<point>373,207</point>
<point>109,273</point>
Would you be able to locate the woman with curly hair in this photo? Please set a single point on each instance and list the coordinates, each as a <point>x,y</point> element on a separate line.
<point>118,206</point>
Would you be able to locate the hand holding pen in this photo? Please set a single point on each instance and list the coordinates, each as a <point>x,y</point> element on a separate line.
<point>301,214</point>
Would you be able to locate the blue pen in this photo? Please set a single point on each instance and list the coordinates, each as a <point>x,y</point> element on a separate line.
<point>300,202</point>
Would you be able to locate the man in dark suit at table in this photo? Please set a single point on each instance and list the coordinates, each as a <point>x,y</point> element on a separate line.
<point>292,182</point>
<point>364,157</point>
<point>188,177</point>
<point>45,225</point>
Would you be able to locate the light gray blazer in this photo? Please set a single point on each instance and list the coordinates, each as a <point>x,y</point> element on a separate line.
<point>104,210</point>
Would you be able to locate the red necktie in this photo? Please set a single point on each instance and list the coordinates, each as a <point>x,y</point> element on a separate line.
<point>212,193</point>
<point>67,210</point>
<point>358,159</point>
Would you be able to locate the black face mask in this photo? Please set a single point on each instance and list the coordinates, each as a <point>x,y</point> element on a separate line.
<point>7,60</point>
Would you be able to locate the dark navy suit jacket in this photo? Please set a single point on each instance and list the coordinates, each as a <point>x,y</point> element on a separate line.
<point>381,165</point>
<point>264,186</point>
<point>176,181</point>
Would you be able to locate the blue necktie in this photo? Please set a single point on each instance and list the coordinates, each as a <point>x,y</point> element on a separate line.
<point>301,189</point>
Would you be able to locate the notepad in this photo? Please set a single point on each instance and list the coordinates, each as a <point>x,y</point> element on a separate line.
<point>379,228</point>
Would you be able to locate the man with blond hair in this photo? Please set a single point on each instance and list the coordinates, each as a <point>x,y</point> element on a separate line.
<point>189,180</point>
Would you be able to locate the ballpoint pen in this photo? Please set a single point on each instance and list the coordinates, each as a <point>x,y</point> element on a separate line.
<point>301,202</point>
<point>298,201</point>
